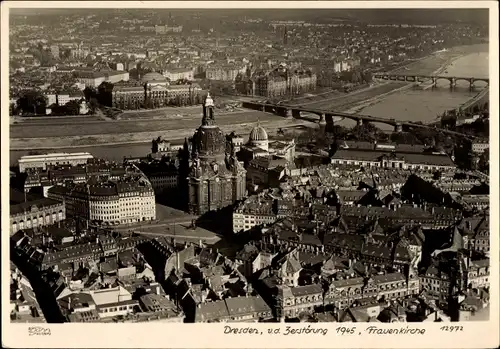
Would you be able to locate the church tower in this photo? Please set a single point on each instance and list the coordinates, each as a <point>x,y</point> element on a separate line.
<point>216,179</point>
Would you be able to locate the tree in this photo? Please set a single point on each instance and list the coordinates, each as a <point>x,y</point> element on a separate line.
<point>73,107</point>
<point>356,77</point>
<point>66,54</point>
<point>366,132</point>
<point>484,162</point>
<point>105,94</point>
<point>32,102</point>
<point>148,104</point>
<point>366,76</point>
<point>404,138</point>
<point>89,93</point>
<point>93,104</point>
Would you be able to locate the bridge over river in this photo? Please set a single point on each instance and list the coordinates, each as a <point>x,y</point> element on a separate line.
<point>327,117</point>
<point>434,78</point>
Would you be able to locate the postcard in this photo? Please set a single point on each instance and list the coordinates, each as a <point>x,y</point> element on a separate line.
<point>235,174</point>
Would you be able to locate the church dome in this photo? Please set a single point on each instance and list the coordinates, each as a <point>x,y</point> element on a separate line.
<point>209,141</point>
<point>258,134</point>
<point>153,76</point>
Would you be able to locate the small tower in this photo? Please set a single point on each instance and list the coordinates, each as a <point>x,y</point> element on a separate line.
<point>283,296</point>
<point>208,110</point>
<point>412,280</point>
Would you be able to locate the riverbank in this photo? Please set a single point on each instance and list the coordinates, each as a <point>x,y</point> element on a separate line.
<point>454,56</point>
<point>372,101</point>
<point>357,101</point>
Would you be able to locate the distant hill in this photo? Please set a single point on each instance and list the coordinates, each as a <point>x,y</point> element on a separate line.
<point>393,16</point>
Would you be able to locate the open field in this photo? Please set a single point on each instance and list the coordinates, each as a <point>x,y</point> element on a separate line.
<point>135,126</point>
<point>54,120</point>
<point>160,112</point>
<point>169,114</point>
<point>178,132</point>
<point>345,101</point>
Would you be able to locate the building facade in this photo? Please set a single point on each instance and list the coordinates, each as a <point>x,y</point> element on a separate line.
<point>283,83</point>
<point>227,72</point>
<point>35,214</point>
<point>342,293</point>
<point>179,74</point>
<point>110,203</point>
<point>128,97</point>
<point>480,146</point>
<point>42,161</point>
<point>155,94</point>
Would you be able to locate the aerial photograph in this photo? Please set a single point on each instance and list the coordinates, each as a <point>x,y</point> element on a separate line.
<point>249,165</point>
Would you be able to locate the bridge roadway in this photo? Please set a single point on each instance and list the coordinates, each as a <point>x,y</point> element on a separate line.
<point>421,78</point>
<point>480,99</point>
<point>326,117</point>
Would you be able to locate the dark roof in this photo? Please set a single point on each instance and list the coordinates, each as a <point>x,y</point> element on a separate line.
<point>375,155</point>
<point>31,205</point>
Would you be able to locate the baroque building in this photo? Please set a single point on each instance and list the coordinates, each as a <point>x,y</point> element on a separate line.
<point>216,178</point>
<point>259,145</point>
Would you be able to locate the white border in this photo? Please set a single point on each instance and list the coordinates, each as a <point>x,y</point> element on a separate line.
<point>475,334</point>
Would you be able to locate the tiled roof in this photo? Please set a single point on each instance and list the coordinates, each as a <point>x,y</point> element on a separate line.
<point>307,290</point>
<point>387,278</point>
<point>348,282</point>
<point>246,305</point>
<point>211,311</point>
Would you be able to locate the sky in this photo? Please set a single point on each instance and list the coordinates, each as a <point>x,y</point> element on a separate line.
<point>431,16</point>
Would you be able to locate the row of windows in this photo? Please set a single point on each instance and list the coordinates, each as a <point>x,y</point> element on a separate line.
<point>389,165</point>
<point>164,180</point>
<point>41,219</point>
<point>105,218</point>
<point>114,309</point>
<point>436,288</point>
